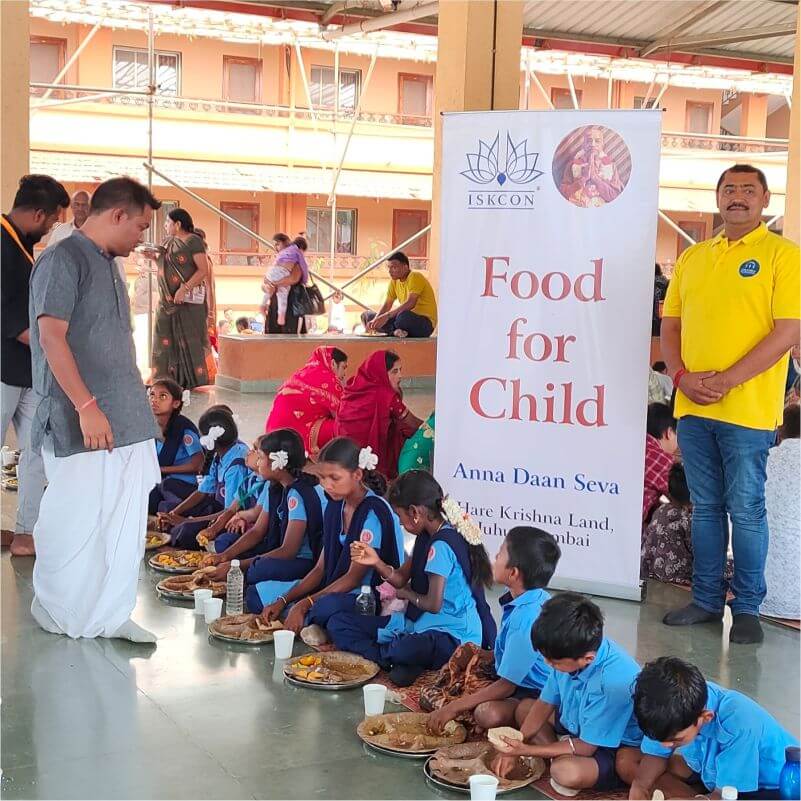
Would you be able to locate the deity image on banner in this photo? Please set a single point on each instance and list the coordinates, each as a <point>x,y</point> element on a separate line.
<point>591,166</point>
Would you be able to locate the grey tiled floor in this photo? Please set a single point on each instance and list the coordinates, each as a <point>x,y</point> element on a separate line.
<point>193,718</point>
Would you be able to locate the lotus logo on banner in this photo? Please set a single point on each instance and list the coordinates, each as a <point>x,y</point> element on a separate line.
<point>487,167</point>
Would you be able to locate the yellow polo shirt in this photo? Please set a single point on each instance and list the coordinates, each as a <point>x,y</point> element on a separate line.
<point>417,283</point>
<point>727,295</point>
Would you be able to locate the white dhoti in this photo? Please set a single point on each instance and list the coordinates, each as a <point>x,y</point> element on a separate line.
<point>90,537</point>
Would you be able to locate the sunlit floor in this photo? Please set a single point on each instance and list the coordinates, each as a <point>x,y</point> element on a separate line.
<point>194,718</point>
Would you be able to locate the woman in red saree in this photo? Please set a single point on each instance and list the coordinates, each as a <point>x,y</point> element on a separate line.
<point>372,411</point>
<point>308,401</point>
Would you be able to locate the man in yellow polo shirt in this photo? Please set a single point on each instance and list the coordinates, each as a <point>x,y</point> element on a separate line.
<point>730,318</point>
<point>416,314</point>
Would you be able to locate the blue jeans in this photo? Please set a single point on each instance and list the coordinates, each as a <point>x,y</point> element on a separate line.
<point>415,325</point>
<point>725,467</point>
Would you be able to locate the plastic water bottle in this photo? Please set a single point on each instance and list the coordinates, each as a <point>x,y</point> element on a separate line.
<point>234,590</point>
<point>728,793</point>
<point>790,777</point>
<point>365,601</point>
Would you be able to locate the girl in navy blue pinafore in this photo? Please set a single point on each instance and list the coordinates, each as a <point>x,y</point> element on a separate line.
<point>218,489</point>
<point>285,539</point>
<point>356,512</point>
<point>180,454</point>
<point>442,582</point>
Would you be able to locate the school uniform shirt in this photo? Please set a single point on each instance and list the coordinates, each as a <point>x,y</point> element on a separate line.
<point>296,510</point>
<point>222,472</point>
<point>515,657</point>
<point>372,535</point>
<point>596,703</point>
<point>190,445</point>
<point>742,746</point>
<point>250,490</point>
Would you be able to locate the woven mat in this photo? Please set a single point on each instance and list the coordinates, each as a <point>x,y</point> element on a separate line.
<point>779,621</point>
<point>410,696</point>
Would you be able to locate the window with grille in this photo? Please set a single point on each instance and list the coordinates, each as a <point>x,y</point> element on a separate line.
<point>323,88</point>
<point>130,70</point>
<point>318,230</point>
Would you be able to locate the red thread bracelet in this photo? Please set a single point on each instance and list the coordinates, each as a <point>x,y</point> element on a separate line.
<point>677,377</point>
<point>91,400</point>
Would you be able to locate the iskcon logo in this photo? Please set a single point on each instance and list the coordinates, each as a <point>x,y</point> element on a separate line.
<point>501,169</point>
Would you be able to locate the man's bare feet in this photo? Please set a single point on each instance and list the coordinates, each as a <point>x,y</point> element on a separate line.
<point>22,545</point>
<point>400,333</point>
<point>8,537</point>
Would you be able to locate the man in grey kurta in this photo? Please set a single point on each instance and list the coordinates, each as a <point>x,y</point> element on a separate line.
<point>94,424</point>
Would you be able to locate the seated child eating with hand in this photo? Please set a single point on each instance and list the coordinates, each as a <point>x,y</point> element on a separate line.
<point>524,564</point>
<point>587,696</point>
<point>700,737</point>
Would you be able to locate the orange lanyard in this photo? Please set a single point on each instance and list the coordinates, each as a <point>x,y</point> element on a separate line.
<point>13,234</point>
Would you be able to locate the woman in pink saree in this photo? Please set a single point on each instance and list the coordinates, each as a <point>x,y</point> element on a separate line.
<point>308,401</point>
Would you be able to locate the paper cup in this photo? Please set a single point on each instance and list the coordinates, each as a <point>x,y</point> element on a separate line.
<point>284,640</point>
<point>200,597</point>
<point>8,457</point>
<point>212,609</point>
<point>483,787</point>
<point>374,697</point>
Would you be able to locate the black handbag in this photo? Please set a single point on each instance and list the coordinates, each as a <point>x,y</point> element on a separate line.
<point>306,300</point>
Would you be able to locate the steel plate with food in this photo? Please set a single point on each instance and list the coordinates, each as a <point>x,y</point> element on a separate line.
<point>178,561</point>
<point>247,629</point>
<point>183,587</point>
<point>451,767</point>
<point>156,539</point>
<point>408,733</point>
<point>334,670</point>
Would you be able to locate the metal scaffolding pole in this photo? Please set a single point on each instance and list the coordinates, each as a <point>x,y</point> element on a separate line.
<point>572,90</point>
<point>378,262</point>
<point>243,228</point>
<point>538,84</point>
<point>71,87</point>
<point>680,231</point>
<point>73,100</point>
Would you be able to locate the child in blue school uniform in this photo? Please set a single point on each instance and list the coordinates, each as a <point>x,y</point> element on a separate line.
<point>218,489</point>
<point>243,504</point>
<point>180,453</point>
<point>700,737</point>
<point>589,695</point>
<point>355,512</point>
<point>285,539</point>
<point>442,582</point>
<point>525,563</point>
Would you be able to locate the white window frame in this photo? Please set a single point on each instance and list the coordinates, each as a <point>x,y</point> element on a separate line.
<point>140,51</point>
<point>342,71</point>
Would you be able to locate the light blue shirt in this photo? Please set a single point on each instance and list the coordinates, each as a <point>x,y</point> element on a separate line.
<point>596,703</point>
<point>190,445</point>
<point>372,535</point>
<point>222,472</point>
<point>458,615</point>
<point>742,746</point>
<point>297,511</point>
<point>515,657</point>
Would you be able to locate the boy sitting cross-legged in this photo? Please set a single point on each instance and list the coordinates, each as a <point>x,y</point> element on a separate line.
<point>525,563</point>
<point>585,711</point>
<point>700,737</point>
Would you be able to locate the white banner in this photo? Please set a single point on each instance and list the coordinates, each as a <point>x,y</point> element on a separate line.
<point>546,291</point>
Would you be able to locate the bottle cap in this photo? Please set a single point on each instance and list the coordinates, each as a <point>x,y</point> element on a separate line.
<point>366,588</point>
<point>729,794</point>
<point>792,753</point>
<point>234,563</point>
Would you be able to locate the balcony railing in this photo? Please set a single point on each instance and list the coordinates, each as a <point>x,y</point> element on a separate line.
<point>318,262</point>
<point>673,140</point>
<point>219,106</point>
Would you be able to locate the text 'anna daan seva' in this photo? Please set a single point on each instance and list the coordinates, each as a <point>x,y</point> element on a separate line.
<point>580,482</point>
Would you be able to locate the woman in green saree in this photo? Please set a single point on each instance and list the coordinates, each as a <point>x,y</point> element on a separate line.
<point>418,450</point>
<point>181,348</point>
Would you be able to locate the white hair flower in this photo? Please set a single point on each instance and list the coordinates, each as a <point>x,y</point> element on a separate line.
<point>207,441</point>
<point>279,460</point>
<point>462,522</point>
<point>367,459</point>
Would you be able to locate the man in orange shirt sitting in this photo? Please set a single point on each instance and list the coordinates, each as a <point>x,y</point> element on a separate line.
<point>416,314</point>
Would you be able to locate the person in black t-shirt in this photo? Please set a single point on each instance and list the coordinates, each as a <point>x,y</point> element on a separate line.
<point>37,205</point>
